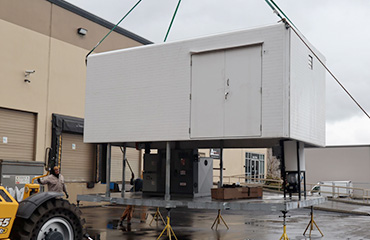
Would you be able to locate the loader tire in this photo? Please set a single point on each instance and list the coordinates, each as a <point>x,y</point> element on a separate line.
<point>56,219</point>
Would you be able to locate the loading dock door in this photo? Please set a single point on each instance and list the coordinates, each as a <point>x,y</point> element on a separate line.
<point>17,135</point>
<point>133,156</point>
<point>78,158</point>
<point>226,93</point>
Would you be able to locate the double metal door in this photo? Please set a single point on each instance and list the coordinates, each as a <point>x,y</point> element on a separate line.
<point>226,93</point>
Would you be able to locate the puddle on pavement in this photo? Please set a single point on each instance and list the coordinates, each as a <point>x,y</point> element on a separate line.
<point>102,224</point>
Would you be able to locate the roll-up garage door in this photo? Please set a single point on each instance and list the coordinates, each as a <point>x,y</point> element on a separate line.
<point>133,157</point>
<point>17,135</point>
<point>78,158</point>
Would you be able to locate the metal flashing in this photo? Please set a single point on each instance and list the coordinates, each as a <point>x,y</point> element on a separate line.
<point>79,11</point>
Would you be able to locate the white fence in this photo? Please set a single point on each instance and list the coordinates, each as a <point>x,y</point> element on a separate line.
<point>324,189</point>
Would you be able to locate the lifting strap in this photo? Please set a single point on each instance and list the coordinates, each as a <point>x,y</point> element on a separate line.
<point>173,18</point>
<point>112,30</point>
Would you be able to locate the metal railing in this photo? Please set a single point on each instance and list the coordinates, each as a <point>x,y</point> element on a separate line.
<point>341,191</point>
<point>277,185</point>
<point>272,184</point>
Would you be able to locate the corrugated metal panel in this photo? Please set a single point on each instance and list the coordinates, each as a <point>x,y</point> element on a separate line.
<point>17,135</point>
<point>133,157</point>
<point>78,158</point>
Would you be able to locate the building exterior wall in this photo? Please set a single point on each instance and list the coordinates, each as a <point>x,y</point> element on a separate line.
<point>339,163</point>
<point>41,35</point>
<point>47,41</point>
<point>23,49</point>
<point>234,162</point>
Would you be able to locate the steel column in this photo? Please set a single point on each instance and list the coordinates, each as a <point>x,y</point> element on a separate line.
<point>107,189</point>
<point>123,172</point>
<point>168,168</point>
<point>299,172</point>
<point>221,163</point>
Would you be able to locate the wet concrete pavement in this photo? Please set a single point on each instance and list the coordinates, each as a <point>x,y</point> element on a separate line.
<point>101,223</point>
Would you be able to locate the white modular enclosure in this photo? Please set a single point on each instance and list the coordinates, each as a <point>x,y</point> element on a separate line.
<point>261,83</point>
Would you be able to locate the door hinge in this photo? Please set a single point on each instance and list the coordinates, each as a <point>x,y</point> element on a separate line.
<point>189,131</point>
<point>261,127</point>
<point>190,96</point>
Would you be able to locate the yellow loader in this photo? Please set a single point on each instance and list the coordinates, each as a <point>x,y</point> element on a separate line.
<point>39,216</point>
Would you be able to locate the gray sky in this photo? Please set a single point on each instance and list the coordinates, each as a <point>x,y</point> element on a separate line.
<point>340,29</point>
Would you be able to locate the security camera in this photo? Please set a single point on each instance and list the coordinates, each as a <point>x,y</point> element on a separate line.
<point>28,72</point>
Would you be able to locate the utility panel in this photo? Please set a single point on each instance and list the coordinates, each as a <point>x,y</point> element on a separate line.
<point>257,84</point>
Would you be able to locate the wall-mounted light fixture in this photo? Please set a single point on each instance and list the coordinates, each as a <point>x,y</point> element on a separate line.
<point>82,31</point>
<point>27,73</point>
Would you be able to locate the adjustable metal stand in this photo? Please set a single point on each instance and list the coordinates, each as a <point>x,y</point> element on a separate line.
<point>284,236</point>
<point>169,230</point>
<point>156,216</point>
<point>311,223</point>
<point>218,218</point>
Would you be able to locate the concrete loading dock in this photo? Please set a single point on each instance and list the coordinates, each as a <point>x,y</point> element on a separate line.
<point>254,88</point>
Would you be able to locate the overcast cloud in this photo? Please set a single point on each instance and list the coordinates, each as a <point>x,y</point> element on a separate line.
<point>337,28</point>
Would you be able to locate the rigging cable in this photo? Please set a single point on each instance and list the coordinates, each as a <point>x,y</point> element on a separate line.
<point>125,160</point>
<point>295,30</point>
<point>112,29</point>
<point>173,18</point>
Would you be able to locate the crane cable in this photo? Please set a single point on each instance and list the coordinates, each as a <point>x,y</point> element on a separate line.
<point>112,30</point>
<point>173,18</point>
<point>125,160</point>
<point>277,10</point>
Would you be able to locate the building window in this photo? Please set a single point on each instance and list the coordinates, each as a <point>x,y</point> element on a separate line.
<point>254,167</point>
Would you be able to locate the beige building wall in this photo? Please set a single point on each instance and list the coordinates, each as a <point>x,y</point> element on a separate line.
<point>41,36</point>
<point>21,50</point>
<point>339,163</point>
<point>233,162</point>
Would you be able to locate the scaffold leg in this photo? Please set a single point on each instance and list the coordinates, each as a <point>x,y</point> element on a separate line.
<point>311,223</point>
<point>169,229</point>
<point>156,216</point>
<point>218,220</point>
<point>284,236</point>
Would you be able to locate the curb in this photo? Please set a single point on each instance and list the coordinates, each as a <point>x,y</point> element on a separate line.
<point>342,211</point>
<point>350,202</point>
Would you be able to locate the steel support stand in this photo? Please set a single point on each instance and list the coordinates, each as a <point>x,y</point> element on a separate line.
<point>311,223</point>
<point>156,216</point>
<point>217,220</point>
<point>169,230</point>
<point>284,236</point>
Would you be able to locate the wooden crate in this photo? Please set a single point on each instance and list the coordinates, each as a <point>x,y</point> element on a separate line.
<point>236,193</point>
